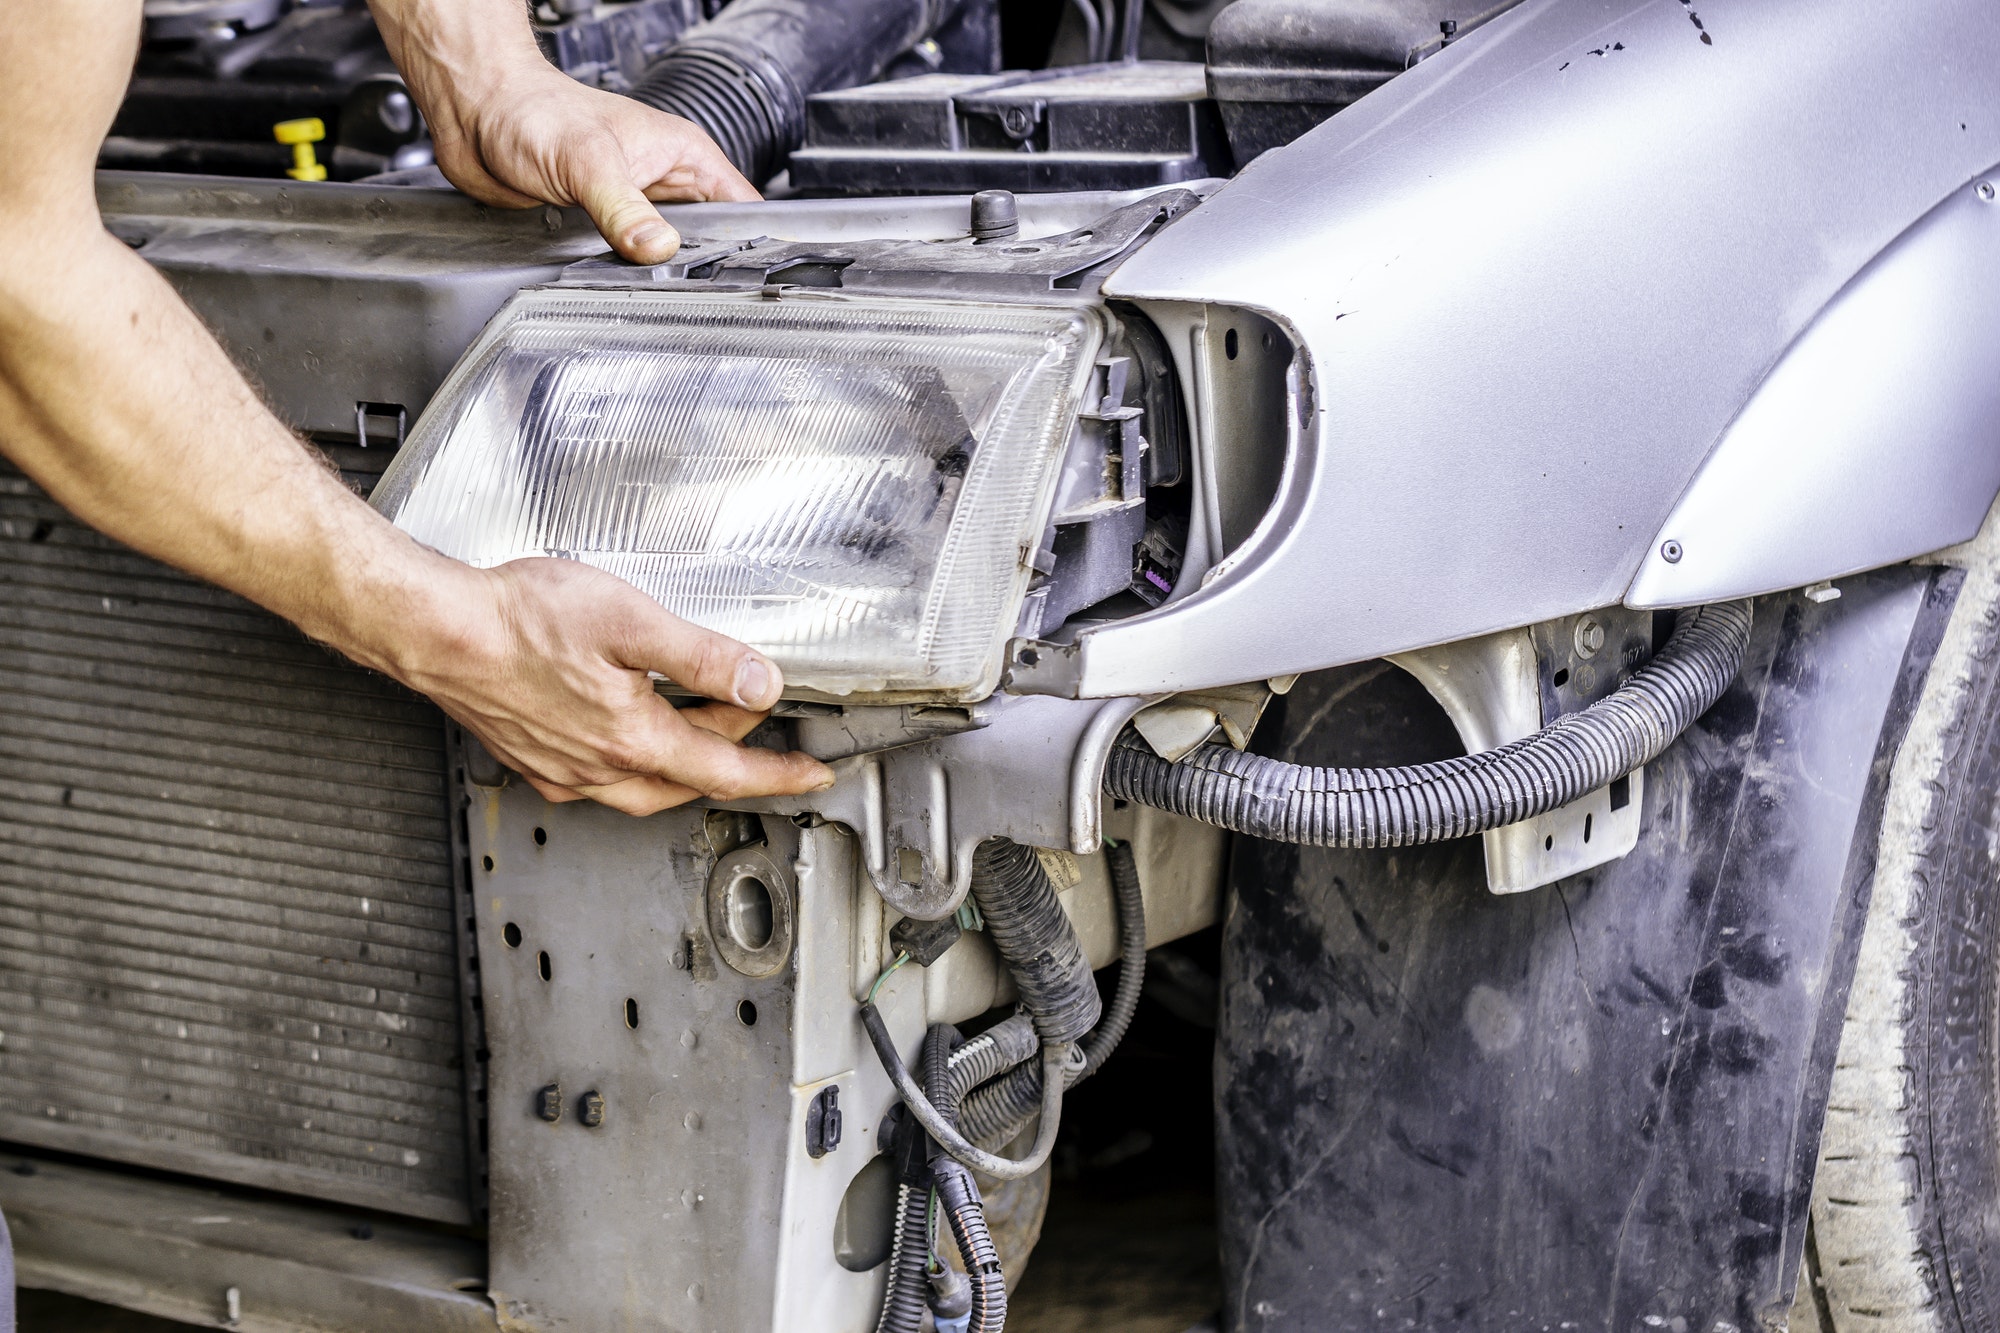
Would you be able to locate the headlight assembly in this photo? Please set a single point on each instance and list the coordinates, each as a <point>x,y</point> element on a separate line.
<point>854,485</point>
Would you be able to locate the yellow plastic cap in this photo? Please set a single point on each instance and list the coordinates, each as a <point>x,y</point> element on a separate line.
<point>310,130</point>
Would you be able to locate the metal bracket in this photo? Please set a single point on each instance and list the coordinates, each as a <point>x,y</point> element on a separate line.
<point>1501,687</point>
<point>365,411</point>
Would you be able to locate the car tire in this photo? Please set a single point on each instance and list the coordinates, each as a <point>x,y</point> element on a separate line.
<point>1905,1234</point>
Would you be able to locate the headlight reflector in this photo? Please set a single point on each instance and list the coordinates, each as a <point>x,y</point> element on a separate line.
<point>846,483</point>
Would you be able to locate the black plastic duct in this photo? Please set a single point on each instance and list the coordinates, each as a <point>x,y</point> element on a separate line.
<point>744,75</point>
<point>1399,807</point>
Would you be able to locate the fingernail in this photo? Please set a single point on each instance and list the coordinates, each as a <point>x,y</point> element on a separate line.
<point>753,683</point>
<point>650,235</point>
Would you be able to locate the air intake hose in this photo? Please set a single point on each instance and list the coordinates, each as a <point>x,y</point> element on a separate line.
<point>1400,807</point>
<point>745,74</point>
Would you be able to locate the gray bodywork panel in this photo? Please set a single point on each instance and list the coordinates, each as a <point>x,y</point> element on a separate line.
<point>1876,438</point>
<point>330,295</point>
<point>1534,280</point>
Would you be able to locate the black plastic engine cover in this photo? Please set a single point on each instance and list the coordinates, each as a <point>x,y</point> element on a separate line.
<point>1083,127</point>
<point>1279,67</point>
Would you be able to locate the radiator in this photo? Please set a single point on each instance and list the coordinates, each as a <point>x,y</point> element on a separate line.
<point>227,925</point>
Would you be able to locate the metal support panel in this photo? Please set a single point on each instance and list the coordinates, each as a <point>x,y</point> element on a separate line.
<point>222,1260</point>
<point>666,999</point>
<point>1499,688</point>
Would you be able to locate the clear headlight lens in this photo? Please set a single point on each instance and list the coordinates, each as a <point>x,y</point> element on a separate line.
<point>846,483</point>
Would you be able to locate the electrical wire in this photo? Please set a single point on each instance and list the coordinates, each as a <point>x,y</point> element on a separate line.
<point>1056,1060</point>
<point>901,959</point>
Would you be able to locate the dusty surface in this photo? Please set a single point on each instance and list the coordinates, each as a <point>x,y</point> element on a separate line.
<point>47,1312</point>
<point>1144,1264</point>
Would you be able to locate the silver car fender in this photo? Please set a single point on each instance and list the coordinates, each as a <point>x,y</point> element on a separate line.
<point>1534,287</point>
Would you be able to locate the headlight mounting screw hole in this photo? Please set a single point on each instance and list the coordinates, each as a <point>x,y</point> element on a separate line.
<point>632,1014</point>
<point>486,863</point>
<point>541,837</point>
<point>1670,551</point>
<point>510,934</point>
<point>747,912</point>
<point>542,964</point>
<point>1985,191</point>
<point>1229,344</point>
<point>747,1012</point>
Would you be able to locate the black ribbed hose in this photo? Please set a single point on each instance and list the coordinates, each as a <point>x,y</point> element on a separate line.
<point>745,74</point>
<point>1034,936</point>
<point>1035,939</point>
<point>1400,807</point>
<point>959,1197</point>
<point>909,1260</point>
<point>903,1302</point>
<point>991,1054</point>
<point>995,1113</point>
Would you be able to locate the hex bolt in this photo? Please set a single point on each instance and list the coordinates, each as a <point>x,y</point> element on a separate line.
<point>1670,551</point>
<point>590,1109</point>
<point>1589,637</point>
<point>549,1103</point>
<point>995,216</point>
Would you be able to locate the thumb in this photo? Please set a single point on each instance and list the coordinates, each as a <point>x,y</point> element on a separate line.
<point>628,220</point>
<point>651,638</point>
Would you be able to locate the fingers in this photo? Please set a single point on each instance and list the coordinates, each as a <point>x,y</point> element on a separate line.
<point>550,792</point>
<point>720,768</point>
<point>725,720</point>
<point>626,217</point>
<point>641,795</point>
<point>677,160</point>
<point>713,665</point>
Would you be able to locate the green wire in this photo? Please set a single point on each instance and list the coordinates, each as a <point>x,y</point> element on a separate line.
<point>930,1232</point>
<point>901,959</point>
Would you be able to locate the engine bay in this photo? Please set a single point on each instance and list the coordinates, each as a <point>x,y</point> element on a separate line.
<point>850,97</point>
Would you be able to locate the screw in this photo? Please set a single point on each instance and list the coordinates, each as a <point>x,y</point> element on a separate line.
<point>1589,637</point>
<point>1670,551</point>
<point>1984,190</point>
<point>1448,29</point>
<point>590,1109</point>
<point>548,1103</point>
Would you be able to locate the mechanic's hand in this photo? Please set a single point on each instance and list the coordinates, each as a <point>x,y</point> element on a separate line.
<point>547,667</point>
<point>514,131</point>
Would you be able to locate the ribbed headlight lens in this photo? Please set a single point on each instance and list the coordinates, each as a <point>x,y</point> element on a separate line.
<point>847,483</point>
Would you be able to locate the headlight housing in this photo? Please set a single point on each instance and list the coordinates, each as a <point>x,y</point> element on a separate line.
<point>853,485</point>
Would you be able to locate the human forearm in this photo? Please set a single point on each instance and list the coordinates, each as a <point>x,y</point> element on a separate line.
<point>457,56</point>
<point>116,400</point>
